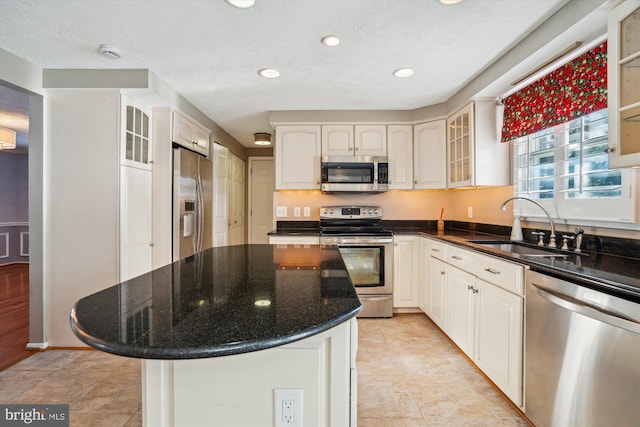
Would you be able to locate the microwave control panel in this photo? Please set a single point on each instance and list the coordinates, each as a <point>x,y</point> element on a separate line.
<point>351,212</point>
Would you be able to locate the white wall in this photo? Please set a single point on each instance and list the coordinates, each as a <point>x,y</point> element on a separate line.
<point>82,202</point>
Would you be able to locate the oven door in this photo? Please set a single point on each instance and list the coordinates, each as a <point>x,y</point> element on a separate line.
<point>369,263</point>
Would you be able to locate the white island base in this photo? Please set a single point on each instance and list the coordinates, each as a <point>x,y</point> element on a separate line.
<point>239,390</point>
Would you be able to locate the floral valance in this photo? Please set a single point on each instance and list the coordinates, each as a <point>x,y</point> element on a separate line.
<point>575,89</point>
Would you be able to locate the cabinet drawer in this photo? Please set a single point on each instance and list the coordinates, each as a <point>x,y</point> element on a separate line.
<point>438,250</point>
<point>461,258</point>
<point>504,274</point>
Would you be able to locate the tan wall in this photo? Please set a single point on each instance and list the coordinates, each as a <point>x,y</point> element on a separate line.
<point>409,205</point>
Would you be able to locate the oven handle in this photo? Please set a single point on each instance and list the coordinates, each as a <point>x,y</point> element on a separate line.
<point>376,298</point>
<point>356,241</point>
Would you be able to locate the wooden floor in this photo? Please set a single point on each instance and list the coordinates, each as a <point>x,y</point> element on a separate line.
<point>14,313</point>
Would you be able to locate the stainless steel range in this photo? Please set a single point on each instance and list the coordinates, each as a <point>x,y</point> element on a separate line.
<point>367,251</point>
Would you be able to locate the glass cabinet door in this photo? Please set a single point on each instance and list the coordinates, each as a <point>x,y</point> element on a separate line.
<point>459,148</point>
<point>624,84</point>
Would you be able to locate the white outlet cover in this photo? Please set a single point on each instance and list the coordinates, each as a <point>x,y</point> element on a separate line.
<point>307,211</point>
<point>287,405</point>
<point>281,212</point>
<point>296,211</point>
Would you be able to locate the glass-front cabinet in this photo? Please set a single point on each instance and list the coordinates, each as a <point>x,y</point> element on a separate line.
<point>624,84</point>
<point>459,147</point>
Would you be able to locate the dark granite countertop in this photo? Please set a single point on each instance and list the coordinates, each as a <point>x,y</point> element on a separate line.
<point>220,302</point>
<point>296,228</point>
<point>615,274</point>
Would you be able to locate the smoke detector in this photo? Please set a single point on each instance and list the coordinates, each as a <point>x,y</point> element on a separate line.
<point>109,51</point>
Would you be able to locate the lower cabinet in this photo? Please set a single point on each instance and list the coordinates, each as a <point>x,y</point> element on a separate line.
<point>406,271</point>
<point>484,319</point>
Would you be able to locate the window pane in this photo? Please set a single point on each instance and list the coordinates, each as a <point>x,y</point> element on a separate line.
<point>129,118</point>
<point>145,125</point>
<point>129,147</point>
<point>138,122</point>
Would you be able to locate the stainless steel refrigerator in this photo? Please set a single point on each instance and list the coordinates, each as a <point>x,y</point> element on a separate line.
<point>192,203</point>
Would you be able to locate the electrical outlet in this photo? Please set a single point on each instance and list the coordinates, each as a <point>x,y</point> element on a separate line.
<point>470,212</point>
<point>296,212</point>
<point>288,407</point>
<point>307,211</point>
<point>281,211</point>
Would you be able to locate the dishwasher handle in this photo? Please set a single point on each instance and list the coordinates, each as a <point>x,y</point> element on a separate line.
<point>587,310</point>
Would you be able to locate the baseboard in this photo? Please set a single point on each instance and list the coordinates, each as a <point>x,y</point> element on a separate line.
<point>37,345</point>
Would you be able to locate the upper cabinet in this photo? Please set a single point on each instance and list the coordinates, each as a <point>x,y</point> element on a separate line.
<point>623,71</point>
<point>297,157</point>
<point>400,154</point>
<point>370,140</point>
<point>475,155</point>
<point>337,140</point>
<point>350,140</point>
<point>429,155</point>
<point>190,134</point>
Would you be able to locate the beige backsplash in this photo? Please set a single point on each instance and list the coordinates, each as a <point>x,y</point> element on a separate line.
<point>408,205</point>
<point>426,204</point>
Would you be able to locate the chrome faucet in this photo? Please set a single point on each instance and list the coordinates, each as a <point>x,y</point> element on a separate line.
<point>552,236</point>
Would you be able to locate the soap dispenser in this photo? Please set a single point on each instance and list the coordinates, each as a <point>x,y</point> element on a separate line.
<point>516,230</point>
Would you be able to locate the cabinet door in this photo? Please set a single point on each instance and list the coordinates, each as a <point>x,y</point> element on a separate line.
<point>624,84</point>
<point>337,140</point>
<point>423,283</point>
<point>460,147</point>
<point>201,139</point>
<point>438,292</point>
<point>135,222</point>
<point>297,157</point>
<point>430,156</point>
<point>498,338</point>
<point>182,128</point>
<point>405,271</point>
<point>399,152</point>
<point>371,140</point>
<point>460,307</point>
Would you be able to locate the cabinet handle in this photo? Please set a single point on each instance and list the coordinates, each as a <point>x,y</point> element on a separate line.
<point>609,150</point>
<point>456,257</point>
<point>492,271</point>
<point>469,287</point>
<point>475,291</point>
<point>415,182</point>
<point>435,250</point>
<point>442,272</point>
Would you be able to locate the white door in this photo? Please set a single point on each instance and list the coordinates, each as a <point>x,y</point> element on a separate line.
<point>237,216</point>
<point>220,195</point>
<point>261,188</point>
<point>135,224</point>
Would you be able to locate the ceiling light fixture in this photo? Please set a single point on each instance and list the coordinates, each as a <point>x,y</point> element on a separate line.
<point>330,41</point>
<point>7,139</point>
<point>262,138</point>
<point>449,2</point>
<point>404,72</point>
<point>269,73</point>
<point>110,51</point>
<point>241,4</point>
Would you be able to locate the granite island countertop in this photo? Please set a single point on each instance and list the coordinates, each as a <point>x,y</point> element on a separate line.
<point>222,301</point>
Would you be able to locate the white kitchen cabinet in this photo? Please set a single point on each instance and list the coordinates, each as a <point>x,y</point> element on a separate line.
<point>190,134</point>
<point>406,258</point>
<point>460,308</point>
<point>423,290</point>
<point>498,337</point>
<point>400,155</point>
<point>337,140</point>
<point>430,155</point>
<point>437,292</point>
<point>475,155</point>
<point>370,140</point>
<point>624,84</point>
<point>297,157</point>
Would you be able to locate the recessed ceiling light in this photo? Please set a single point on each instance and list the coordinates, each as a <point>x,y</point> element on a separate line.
<point>269,73</point>
<point>330,40</point>
<point>241,4</point>
<point>109,51</point>
<point>404,72</point>
<point>450,1</point>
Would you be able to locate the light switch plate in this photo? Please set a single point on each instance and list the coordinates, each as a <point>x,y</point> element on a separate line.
<point>307,211</point>
<point>281,211</point>
<point>296,211</point>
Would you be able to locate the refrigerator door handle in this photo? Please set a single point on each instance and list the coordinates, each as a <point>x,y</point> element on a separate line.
<point>200,213</point>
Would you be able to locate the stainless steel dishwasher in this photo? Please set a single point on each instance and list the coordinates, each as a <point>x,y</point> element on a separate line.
<point>582,356</point>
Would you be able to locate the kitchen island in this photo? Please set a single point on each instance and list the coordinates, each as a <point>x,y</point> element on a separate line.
<point>220,331</point>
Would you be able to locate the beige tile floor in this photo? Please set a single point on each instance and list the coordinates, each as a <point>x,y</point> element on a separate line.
<point>408,375</point>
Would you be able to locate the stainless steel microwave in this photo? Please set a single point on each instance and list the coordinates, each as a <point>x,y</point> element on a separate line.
<point>355,174</point>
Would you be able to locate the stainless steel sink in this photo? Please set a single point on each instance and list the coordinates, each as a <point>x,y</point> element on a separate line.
<point>521,250</point>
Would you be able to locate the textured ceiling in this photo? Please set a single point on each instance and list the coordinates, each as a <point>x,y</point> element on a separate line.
<point>210,52</point>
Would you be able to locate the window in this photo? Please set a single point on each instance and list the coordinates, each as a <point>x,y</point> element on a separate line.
<point>566,168</point>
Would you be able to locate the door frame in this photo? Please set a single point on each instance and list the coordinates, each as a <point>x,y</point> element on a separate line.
<point>250,201</point>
